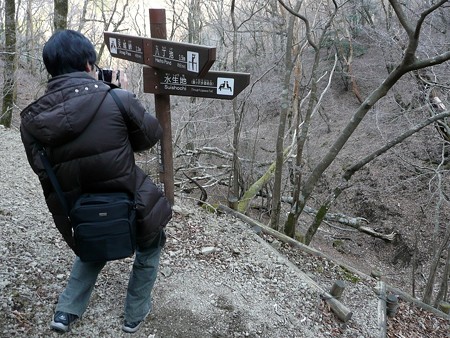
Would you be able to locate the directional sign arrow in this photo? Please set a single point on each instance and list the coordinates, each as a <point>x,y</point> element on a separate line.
<point>185,58</point>
<point>217,85</point>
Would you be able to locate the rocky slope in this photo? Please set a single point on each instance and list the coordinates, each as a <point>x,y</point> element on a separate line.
<point>218,277</point>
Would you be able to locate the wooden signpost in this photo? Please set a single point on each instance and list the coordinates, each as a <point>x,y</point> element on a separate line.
<point>184,58</point>
<point>216,85</point>
<point>173,68</point>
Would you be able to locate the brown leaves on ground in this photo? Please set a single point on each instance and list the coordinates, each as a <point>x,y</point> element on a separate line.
<point>413,322</point>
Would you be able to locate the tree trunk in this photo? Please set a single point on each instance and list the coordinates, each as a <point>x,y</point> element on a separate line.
<point>194,27</point>
<point>288,66</point>
<point>238,114</point>
<point>443,290</point>
<point>433,269</point>
<point>61,8</point>
<point>256,187</point>
<point>83,16</point>
<point>9,70</point>
<point>297,206</point>
<point>30,40</point>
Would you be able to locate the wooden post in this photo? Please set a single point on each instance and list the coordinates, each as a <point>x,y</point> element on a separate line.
<point>382,322</point>
<point>162,109</point>
<point>444,307</point>
<point>339,309</point>
<point>337,289</point>
<point>391,305</point>
<point>233,202</point>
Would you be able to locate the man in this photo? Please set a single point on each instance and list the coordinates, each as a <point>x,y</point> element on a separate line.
<point>91,148</point>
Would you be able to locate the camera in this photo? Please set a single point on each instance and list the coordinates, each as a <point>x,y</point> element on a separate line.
<point>106,75</point>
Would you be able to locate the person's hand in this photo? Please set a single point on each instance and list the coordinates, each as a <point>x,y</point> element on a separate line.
<point>124,80</point>
<point>114,79</point>
<point>121,80</point>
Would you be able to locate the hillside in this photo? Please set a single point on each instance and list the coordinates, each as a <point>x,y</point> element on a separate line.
<point>218,277</point>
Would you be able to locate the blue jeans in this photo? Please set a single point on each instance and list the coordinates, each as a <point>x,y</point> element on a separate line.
<point>75,297</point>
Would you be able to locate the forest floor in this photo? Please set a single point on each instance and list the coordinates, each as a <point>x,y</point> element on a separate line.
<point>218,277</point>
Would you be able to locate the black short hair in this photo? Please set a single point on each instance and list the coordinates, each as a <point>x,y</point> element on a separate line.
<point>68,51</point>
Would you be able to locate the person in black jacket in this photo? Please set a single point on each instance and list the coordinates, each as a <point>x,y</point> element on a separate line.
<point>91,149</point>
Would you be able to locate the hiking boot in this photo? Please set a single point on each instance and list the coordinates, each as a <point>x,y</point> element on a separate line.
<point>62,320</point>
<point>132,327</point>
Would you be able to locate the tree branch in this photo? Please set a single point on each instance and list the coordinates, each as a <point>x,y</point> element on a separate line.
<point>355,167</point>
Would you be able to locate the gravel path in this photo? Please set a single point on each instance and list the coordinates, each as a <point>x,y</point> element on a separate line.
<point>218,278</point>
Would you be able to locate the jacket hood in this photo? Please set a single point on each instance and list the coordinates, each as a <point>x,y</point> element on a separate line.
<point>63,112</point>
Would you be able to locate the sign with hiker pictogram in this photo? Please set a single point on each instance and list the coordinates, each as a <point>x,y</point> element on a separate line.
<point>173,68</point>
<point>216,85</point>
<point>179,57</point>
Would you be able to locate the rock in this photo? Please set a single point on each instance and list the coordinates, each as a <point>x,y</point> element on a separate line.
<point>208,250</point>
<point>166,271</point>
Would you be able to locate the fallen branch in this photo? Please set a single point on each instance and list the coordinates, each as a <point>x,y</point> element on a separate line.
<point>332,217</point>
<point>203,195</point>
<point>354,222</point>
<point>387,237</point>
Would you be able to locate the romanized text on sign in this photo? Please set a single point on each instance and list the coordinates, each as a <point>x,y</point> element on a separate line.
<point>180,57</point>
<point>218,85</point>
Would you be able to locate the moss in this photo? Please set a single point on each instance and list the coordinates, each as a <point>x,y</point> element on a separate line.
<point>210,207</point>
<point>349,276</point>
<point>319,269</point>
<point>299,237</point>
<point>338,243</point>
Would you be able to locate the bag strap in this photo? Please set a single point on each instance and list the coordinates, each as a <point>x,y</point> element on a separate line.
<point>48,168</point>
<point>120,105</point>
<point>51,175</point>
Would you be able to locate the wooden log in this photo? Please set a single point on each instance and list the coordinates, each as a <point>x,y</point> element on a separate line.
<point>341,311</point>
<point>259,227</point>
<point>391,305</point>
<point>373,233</point>
<point>337,289</point>
<point>382,323</point>
<point>444,307</point>
<point>408,298</point>
<point>376,274</point>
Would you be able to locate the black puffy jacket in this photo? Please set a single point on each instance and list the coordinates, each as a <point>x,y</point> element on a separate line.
<point>91,148</point>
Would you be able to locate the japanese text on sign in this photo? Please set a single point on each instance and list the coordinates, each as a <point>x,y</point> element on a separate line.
<point>164,55</point>
<point>179,82</point>
<point>128,48</point>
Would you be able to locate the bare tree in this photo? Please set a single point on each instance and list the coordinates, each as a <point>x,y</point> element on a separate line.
<point>195,25</point>
<point>313,104</point>
<point>112,17</point>
<point>409,62</point>
<point>288,66</point>
<point>9,70</point>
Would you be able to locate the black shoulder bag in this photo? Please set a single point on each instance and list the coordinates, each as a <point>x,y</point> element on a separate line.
<point>104,224</point>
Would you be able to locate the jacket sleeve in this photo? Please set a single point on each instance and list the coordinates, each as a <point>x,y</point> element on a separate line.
<point>144,130</point>
<point>32,152</point>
